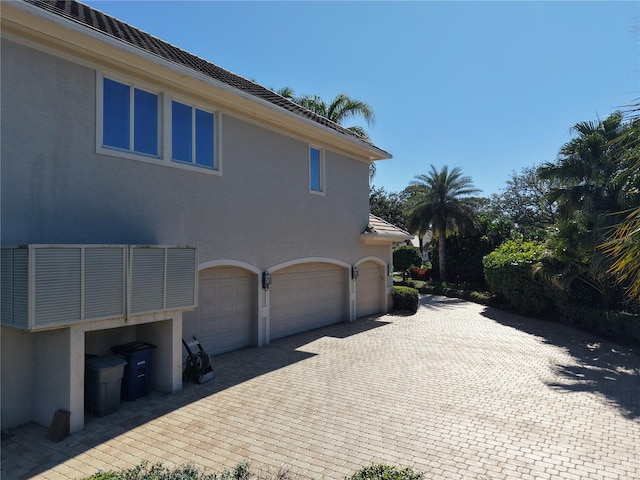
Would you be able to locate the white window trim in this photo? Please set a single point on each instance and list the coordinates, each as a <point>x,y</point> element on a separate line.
<point>113,151</point>
<point>164,128</point>
<point>323,188</point>
<point>217,134</point>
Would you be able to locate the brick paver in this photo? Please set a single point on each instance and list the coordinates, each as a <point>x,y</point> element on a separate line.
<point>457,391</point>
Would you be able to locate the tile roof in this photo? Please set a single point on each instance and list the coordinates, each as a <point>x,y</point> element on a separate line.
<point>117,29</point>
<point>380,227</point>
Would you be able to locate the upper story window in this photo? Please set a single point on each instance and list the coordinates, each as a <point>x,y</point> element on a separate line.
<point>138,122</point>
<point>192,135</point>
<point>130,118</point>
<point>316,170</point>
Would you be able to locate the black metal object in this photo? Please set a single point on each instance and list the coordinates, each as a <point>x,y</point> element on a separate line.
<point>198,368</point>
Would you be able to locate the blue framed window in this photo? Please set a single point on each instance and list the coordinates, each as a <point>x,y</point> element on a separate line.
<point>316,170</point>
<point>192,135</point>
<point>130,118</point>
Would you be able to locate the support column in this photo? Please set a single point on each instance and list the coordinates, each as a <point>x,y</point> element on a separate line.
<point>264,314</point>
<point>59,376</point>
<point>166,359</point>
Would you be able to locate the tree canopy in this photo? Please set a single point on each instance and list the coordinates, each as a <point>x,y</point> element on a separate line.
<point>442,201</point>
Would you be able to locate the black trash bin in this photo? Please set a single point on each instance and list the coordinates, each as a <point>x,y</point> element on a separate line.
<point>102,383</point>
<point>135,382</point>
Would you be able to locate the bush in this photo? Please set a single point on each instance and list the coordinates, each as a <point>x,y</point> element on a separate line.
<point>242,472</point>
<point>385,472</point>
<point>617,325</point>
<point>509,274</point>
<point>405,299</point>
<point>405,257</point>
<point>185,472</point>
<point>419,273</point>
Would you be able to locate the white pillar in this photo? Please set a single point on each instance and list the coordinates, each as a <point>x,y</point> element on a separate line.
<point>264,315</point>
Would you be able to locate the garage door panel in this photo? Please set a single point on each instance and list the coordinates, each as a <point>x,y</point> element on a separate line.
<point>369,289</point>
<point>225,319</point>
<point>308,296</point>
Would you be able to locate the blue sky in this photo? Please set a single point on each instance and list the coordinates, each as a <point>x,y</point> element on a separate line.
<point>490,87</point>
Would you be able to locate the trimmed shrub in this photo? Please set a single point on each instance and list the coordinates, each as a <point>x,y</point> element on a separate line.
<point>510,276</point>
<point>386,472</point>
<point>405,299</point>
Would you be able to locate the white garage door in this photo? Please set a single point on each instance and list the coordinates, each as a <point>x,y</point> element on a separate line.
<point>369,289</point>
<point>308,296</point>
<point>225,319</point>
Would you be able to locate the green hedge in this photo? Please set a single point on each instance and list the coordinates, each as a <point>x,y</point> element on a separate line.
<point>405,299</point>
<point>509,273</point>
<point>613,324</point>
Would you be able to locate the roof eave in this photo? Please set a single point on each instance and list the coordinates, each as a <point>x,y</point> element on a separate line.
<point>381,239</point>
<point>16,15</point>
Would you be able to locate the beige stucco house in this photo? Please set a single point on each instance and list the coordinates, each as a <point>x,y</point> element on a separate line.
<point>148,194</point>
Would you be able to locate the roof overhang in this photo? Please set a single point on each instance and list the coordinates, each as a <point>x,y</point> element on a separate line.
<point>97,49</point>
<point>381,232</point>
<point>373,239</point>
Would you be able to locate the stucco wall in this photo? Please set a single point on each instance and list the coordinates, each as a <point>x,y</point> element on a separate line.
<point>57,189</point>
<point>17,376</point>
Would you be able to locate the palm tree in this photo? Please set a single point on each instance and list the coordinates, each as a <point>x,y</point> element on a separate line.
<point>584,169</point>
<point>441,201</point>
<point>624,243</point>
<point>340,110</point>
<point>587,196</point>
<point>624,247</point>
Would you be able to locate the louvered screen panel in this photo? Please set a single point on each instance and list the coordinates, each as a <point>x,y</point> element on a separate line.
<point>181,277</point>
<point>57,285</point>
<point>6,286</point>
<point>103,282</point>
<point>21,287</point>
<point>147,279</point>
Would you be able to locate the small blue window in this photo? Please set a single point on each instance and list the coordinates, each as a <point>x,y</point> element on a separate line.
<point>119,109</point>
<point>188,126</point>
<point>145,122</point>
<point>204,139</point>
<point>116,114</point>
<point>315,170</point>
<point>181,132</point>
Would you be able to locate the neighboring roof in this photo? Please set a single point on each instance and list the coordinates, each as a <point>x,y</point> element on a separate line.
<point>381,231</point>
<point>119,30</point>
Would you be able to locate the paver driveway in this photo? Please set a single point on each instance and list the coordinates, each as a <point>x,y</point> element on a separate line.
<point>455,391</point>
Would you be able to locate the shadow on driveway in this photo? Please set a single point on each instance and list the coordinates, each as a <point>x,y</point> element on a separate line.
<point>600,366</point>
<point>26,450</point>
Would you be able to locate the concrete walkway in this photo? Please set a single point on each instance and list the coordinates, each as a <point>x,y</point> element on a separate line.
<point>456,391</point>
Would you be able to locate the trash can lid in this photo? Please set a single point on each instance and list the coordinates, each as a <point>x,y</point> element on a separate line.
<point>132,347</point>
<point>105,361</point>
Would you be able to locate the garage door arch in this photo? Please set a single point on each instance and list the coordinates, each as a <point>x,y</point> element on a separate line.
<point>370,287</point>
<point>226,318</point>
<point>307,294</point>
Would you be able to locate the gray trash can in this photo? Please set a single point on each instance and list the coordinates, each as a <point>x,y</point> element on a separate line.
<point>102,383</point>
